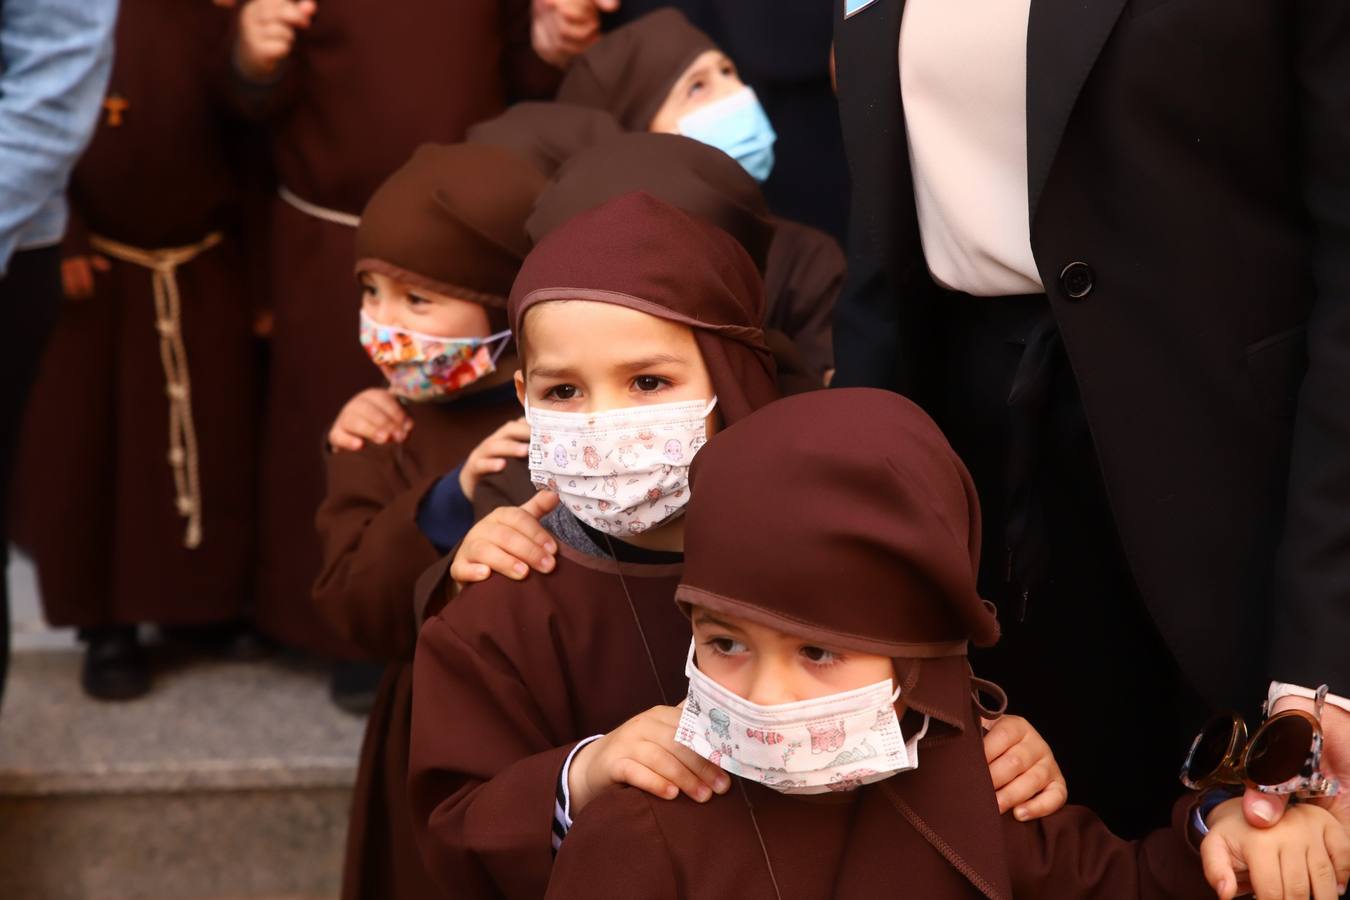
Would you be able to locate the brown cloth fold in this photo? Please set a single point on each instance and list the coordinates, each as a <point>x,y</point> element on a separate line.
<point>630,71</point>
<point>451,220</point>
<point>692,176</point>
<point>546,135</point>
<point>638,252</point>
<point>855,495</point>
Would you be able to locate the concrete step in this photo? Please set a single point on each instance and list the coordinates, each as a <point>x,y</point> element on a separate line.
<point>231,780</point>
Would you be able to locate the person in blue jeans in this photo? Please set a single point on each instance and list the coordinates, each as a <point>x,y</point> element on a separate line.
<point>55,57</point>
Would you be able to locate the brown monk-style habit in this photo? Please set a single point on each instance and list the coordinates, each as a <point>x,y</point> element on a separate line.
<point>878,511</point>
<point>510,675</point>
<point>128,520</point>
<point>451,220</point>
<point>363,87</point>
<point>546,135</point>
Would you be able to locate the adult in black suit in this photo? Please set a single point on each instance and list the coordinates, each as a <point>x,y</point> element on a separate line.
<point>1188,207</point>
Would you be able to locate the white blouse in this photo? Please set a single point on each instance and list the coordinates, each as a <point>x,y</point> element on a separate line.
<point>963,80</point>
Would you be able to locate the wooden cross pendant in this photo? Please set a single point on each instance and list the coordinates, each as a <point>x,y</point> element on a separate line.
<point>115,105</point>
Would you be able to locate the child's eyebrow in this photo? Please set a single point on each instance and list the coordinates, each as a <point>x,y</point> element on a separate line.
<point>546,372</point>
<point>648,362</point>
<point>705,618</point>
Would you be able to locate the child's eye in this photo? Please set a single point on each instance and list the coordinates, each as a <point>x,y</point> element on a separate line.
<point>724,646</point>
<point>649,384</point>
<point>729,70</point>
<point>367,290</point>
<point>820,656</point>
<point>416,301</point>
<point>696,86</point>
<point>561,392</point>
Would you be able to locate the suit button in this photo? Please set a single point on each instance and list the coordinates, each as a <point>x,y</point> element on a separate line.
<point>1076,280</point>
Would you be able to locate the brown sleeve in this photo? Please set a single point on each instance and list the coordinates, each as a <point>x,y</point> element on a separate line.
<point>485,756</point>
<point>1071,855</point>
<point>527,76</point>
<point>806,273</point>
<point>615,849</point>
<point>373,551</point>
<point>252,100</point>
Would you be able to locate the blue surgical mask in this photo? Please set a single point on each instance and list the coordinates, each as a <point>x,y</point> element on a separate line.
<point>737,126</point>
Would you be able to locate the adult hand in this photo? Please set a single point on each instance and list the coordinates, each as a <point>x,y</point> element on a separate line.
<point>1263,810</point>
<point>77,275</point>
<point>562,29</point>
<point>267,34</point>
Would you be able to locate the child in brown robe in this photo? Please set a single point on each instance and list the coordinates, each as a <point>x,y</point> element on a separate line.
<point>661,74</point>
<point>639,338</point>
<point>831,552</point>
<point>349,89</point>
<point>438,246</point>
<point>135,488</point>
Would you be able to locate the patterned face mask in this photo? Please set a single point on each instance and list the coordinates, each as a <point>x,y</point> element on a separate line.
<point>838,742</point>
<point>621,471</point>
<point>425,367</point>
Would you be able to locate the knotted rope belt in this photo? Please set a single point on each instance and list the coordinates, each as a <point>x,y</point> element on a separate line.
<point>183,459</point>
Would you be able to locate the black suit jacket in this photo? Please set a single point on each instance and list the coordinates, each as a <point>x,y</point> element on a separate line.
<point>1194,156</point>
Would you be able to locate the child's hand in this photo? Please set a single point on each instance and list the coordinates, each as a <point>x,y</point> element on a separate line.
<point>642,752</point>
<point>509,541</point>
<point>1026,777</point>
<point>373,415</point>
<point>1306,855</point>
<point>512,440</point>
<point>77,275</point>
<point>267,33</point>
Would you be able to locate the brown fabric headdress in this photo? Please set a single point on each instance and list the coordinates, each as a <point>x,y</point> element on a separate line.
<point>631,70</point>
<point>451,220</point>
<point>638,252</point>
<point>545,135</point>
<point>844,516</point>
<point>701,180</point>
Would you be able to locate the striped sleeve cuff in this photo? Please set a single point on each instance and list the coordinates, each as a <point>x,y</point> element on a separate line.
<point>562,796</point>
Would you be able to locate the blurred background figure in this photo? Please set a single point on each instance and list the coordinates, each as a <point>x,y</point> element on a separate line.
<point>347,92</point>
<point>136,488</point>
<point>781,49</point>
<point>55,56</point>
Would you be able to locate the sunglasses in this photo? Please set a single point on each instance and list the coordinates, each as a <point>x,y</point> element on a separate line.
<point>1284,756</point>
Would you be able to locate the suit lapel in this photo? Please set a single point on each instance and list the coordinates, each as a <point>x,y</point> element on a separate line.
<point>1064,39</point>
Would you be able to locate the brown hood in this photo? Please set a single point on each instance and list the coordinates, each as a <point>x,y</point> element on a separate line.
<point>451,220</point>
<point>545,135</point>
<point>845,516</point>
<point>638,252</point>
<point>630,71</point>
<point>701,180</point>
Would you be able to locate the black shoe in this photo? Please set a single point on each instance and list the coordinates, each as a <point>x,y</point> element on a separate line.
<point>235,641</point>
<point>354,684</point>
<point>115,665</point>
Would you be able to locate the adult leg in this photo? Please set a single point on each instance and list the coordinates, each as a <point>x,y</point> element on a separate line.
<point>30,295</point>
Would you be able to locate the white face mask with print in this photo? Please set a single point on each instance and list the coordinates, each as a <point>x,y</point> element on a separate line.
<point>838,742</point>
<point>621,471</point>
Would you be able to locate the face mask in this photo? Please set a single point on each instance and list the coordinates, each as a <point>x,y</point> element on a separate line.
<point>838,742</point>
<point>737,126</point>
<point>621,471</point>
<point>424,367</point>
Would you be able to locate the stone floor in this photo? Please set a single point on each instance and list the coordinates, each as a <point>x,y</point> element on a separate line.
<point>229,781</point>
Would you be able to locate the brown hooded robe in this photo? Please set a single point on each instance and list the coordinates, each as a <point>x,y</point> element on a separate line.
<point>510,675</point>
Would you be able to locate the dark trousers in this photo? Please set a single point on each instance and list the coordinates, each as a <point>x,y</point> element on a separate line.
<point>1080,656</point>
<point>30,299</point>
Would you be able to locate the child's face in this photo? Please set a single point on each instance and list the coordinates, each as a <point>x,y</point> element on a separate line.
<point>583,356</point>
<point>770,667</point>
<point>395,303</point>
<point>708,79</point>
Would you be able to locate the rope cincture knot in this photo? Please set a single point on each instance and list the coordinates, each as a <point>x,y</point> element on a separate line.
<point>182,456</point>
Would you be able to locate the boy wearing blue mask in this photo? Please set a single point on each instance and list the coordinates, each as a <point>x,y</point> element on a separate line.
<point>660,73</point>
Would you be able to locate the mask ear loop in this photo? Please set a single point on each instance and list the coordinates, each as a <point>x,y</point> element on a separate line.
<point>504,338</point>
